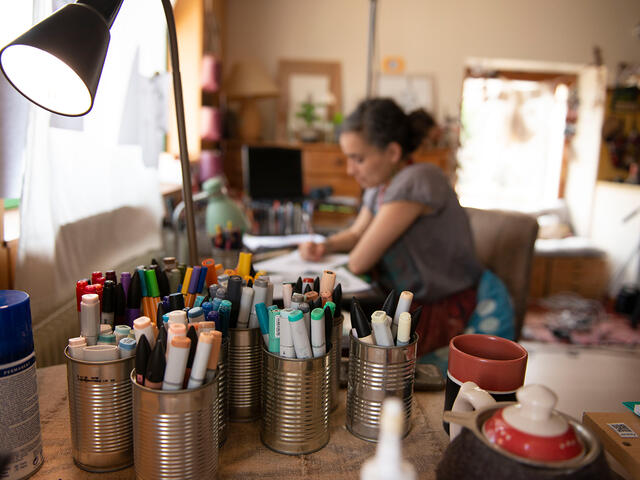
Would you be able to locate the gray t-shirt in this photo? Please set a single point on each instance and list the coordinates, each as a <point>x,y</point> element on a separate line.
<point>435,257</point>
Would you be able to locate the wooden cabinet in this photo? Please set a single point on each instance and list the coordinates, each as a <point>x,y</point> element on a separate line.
<point>323,165</point>
<point>586,276</point>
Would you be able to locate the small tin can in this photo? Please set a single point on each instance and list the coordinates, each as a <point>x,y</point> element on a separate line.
<point>244,362</point>
<point>377,372</point>
<point>100,413</point>
<point>175,432</point>
<point>295,410</point>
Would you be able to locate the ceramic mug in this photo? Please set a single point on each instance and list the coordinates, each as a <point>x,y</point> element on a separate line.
<point>495,364</point>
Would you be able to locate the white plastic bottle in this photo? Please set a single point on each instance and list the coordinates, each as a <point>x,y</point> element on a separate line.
<point>387,464</point>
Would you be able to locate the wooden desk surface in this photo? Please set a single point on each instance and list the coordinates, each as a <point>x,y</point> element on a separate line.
<point>243,455</point>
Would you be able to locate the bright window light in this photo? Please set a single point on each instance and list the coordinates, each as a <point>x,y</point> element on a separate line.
<point>46,80</point>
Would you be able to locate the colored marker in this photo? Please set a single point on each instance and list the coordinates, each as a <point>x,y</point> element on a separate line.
<point>360,322</point>
<point>76,346</point>
<point>404,329</point>
<point>120,305</point>
<point>318,344</point>
<point>199,300</point>
<point>193,336</point>
<point>176,301</point>
<point>207,326</point>
<point>381,330</point>
<point>175,330</point>
<point>214,355</point>
<point>100,353</point>
<point>389,305</point>
<point>127,347</point>
<point>125,280</point>
<point>121,331</point>
<point>274,329</point>
<point>287,293</point>
<point>178,316</point>
<point>201,360</point>
<point>404,304</point>
<point>234,293</point>
<point>186,281</point>
<point>244,264</point>
<point>195,315</point>
<point>176,363</point>
<point>134,298</point>
<point>106,339</point>
<point>224,315</point>
<point>263,321</point>
<point>156,367</point>
<point>90,317</point>
<point>142,326</point>
<point>108,303</point>
<point>337,299</point>
<point>212,277</point>
<point>153,293</point>
<point>327,282</point>
<point>297,287</point>
<point>287,348</point>
<point>260,287</point>
<point>301,342</point>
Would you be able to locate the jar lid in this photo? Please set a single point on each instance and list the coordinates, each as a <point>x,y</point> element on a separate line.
<point>16,341</point>
<point>532,429</point>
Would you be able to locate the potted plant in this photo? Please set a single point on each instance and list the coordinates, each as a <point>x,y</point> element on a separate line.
<point>309,115</point>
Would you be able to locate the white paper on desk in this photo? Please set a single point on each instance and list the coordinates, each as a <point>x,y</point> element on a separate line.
<point>292,262</point>
<point>350,283</point>
<point>254,242</point>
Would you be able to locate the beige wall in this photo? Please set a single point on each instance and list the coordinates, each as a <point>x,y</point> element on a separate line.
<point>434,36</point>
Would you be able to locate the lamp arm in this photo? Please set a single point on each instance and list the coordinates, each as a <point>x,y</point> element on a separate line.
<point>182,136</point>
<point>107,8</point>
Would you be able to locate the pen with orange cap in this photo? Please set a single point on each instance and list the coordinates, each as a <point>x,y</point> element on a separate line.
<point>212,276</point>
<point>153,293</point>
<point>192,289</point>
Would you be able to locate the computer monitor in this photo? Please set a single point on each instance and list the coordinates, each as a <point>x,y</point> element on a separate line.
<point>272,173</point>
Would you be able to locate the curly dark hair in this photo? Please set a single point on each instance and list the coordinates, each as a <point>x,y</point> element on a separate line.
<point>381,121</point>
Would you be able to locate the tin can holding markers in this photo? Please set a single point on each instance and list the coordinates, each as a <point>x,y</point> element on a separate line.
<point>334,370</point>
<point>175,432</point>
<point>377,372</point>
<point>244,362</point>
<point>20,419</point>
<point>222,395</point>
<point>100,413</point>
<point>295,403</point>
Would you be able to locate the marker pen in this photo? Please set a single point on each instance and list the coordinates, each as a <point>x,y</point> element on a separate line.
<point>175,330</point>
<point>331,306</point>
<point>207,326</point>
<point>234,293</point>
<point>390,302</point>
<point>248,282</point>
<point>176,363</point>
<point>201,360</point>
<point>125,281</point>
<point>326,297</point>
<point>221,294</point>
<point>156,367</point>
<point>404,329</point>
<point>274,329</point>
<point>111,275</point>
<point>104,328</point>
<point>381,330</point>
<point>214,317</point>
<point>206,308</point>
<point>360,322</point>
<point>80,290</point>
<point>306,315</point>
<point>176,302</point>
<point>153,293</point>
<point>404,304</point>
<point>317,303</point>
<point>196,315</point>
<point>178,316</point>
<point>318,344</point>
<point>246,300</point>
<point>263,321</point>
<point>127,347</point>
<point>316,285</point>
<point>337,299</point>
<point>269,300</point>
<point>146,305</point>
<point>311,297</point>
<point>90,317</point>
<point>306,289</point>
<point>142,326</point>
<point>287,293</point>
<point>201,289</point>
<point>301,342</point>
<point>198,301</point>
<point>108,303</point>
<point>160,312</point>
<point>224,314</point>
<point>214,355</point>
<point>211,277</point>
<point>163,283</point>
<point>182,268</point>
<point>244,264</point>
<point>193,286</point>
<point>260,288</point>
<point>296,300</point>
<point>134,297</point>
<point>186,281</point>
<point>96,277</point>
<point>223,279</point>
<point>162,337</point>
<point>212,290</point>
<point>328,323</point>
<point>193,336</point>
<point>287,349</point>
<point>120,305</point>
<point>297,287</point>
<point>76,345</point>
<point>307,282</point>
<point>327,282</point>
<point>100,353</point>
<point>106,339</point>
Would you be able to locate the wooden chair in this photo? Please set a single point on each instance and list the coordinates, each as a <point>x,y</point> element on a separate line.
<point>504,243</point>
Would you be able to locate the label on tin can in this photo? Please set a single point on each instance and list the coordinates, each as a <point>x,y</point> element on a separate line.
<point>20,418</point>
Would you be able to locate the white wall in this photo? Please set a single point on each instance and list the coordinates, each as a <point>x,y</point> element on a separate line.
<point>433,36</point>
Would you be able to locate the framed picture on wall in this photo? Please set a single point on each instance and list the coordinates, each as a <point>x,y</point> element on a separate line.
<point>305,85</point>
<point>410,91</point>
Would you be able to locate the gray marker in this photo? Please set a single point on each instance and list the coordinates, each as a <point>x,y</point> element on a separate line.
<point>287,349</point>
<point>90,317</point>
<point>404,329</point>
<point>404,304</point>
<point>301,343</point>
<point>306,315</point>
<point>380,329</point>
<point>260,290</point>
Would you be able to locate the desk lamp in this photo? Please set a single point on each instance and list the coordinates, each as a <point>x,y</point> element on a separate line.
<point>57,65</point>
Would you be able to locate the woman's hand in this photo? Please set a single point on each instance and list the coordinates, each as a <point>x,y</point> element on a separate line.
<point>312,252</point>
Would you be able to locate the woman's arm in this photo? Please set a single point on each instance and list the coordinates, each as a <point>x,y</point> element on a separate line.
<point>339,242</point>
<point>391,221</point>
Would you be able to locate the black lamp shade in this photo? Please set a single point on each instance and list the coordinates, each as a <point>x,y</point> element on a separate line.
<point>57,63</point>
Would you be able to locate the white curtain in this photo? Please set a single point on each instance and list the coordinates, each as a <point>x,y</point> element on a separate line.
<point>91,197</point>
